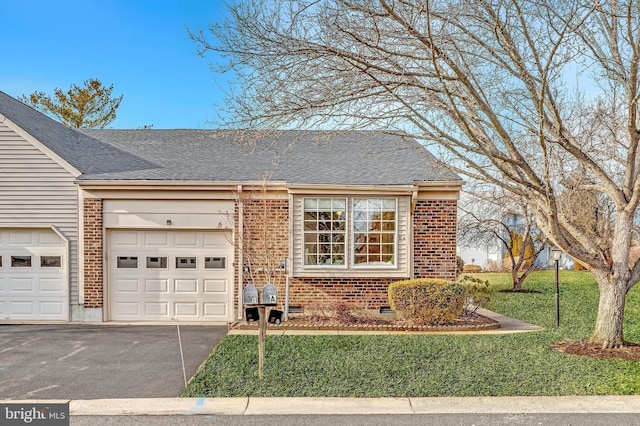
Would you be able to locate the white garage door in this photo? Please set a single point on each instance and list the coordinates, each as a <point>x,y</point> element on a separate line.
<point>160,275</point>
<point>33,275</point>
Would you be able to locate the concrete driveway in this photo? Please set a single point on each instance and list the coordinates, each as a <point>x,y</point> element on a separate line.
<point>85,361</point>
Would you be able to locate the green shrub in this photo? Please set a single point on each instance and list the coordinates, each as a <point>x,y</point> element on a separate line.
<point>427,301</point>
<point>479,293</point>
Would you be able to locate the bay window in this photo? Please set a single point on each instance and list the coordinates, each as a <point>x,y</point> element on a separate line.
<point>350,232</point>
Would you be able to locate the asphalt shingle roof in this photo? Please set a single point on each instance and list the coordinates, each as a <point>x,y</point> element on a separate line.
<point>297,157</point>
<point>300,157</point>
<point>83,152</point>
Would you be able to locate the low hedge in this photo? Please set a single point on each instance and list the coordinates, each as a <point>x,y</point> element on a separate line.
<point>427,300</point>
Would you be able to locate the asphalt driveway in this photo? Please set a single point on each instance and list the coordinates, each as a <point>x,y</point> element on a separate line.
<point>84,361</point>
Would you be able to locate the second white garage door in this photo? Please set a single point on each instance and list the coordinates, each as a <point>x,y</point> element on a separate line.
<point>160,275</point>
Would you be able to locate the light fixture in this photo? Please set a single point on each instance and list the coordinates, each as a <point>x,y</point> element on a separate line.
<point>557,253</point>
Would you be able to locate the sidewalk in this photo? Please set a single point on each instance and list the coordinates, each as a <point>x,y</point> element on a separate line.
<point>349,406</point>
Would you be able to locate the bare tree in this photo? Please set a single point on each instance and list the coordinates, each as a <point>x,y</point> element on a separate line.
<point>263,239</point>
<point>521,94</point>
<point>487,217</point>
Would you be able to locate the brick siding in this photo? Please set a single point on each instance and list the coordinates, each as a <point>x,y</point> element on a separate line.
<point>93,254</point>
<point>434,239</point>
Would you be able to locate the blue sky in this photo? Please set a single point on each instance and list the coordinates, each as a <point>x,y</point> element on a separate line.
<point>140,46</point>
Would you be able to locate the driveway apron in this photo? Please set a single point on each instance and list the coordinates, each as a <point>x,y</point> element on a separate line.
<point>84,361</point>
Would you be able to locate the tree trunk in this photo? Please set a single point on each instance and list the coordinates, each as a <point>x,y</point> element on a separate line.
<point>515,280</point>
<point>608,331</point>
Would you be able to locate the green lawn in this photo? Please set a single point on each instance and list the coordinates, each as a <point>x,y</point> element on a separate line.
<point>436,365</point>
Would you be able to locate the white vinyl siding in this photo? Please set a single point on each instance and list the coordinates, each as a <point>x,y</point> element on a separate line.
<point>401,267</point>
<point>37,192</point>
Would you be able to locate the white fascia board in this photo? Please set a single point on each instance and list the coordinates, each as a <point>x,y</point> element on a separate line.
<point>198,185</point>
<point>40,146</point>
<point>349,189</point>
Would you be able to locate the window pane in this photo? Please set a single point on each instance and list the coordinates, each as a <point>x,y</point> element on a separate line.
<point>20,261</point>
<point>215,262</point>
<point>50,262</point>
<point>324,231</point>
<point>127,262</point>
<point>157,262</point>
<point>185,262</point>
<point>374,231</point>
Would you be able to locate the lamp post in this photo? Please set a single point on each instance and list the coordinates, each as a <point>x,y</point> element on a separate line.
<point>556,252</point>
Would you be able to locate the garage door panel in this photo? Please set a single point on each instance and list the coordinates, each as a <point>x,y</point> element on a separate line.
<point>127,309</point>
<point>180,274</point>
<point>156,285</point>
<point>48,239</point>
<point>186,239</point>
<point>215,286</point>
<point>51,308</point>
<point>122,285</point>
<point>21,238</point>
<point>130,239</point>
<point>51,286</point>
<point>21,308</point>
<point>211,241</point>
<point>156,239</point>
<point>155,309</point>
<point>215,309</point>
<point>186,286</point>
<point>189,309</point>
<point>22,285</point>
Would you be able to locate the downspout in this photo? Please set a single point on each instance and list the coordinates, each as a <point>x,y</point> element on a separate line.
<point>240,239</point>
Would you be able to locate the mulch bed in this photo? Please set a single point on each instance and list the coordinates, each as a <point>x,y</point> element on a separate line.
<point>630,352</point>
<point>463,323</point>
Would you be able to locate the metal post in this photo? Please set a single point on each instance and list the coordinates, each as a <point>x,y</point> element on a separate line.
<point>557,297</point>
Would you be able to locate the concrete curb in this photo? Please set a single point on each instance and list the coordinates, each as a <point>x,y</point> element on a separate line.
<point>347,406</point>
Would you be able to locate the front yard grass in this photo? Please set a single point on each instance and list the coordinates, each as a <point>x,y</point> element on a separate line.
<point>436,365</point>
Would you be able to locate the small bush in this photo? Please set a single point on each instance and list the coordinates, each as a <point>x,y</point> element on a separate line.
<point>472,268</point>
<point>459,263</point>
<point>479,293</point>
<point>427,301</point>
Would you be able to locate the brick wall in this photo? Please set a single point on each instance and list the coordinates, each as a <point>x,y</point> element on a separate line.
<point>265,242</point>
<point>434,239</point>
<point>435,225</point>
<point>93,244</point>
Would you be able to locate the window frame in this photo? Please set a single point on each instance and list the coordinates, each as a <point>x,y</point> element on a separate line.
<point>345,233</point>
<point>349,266</point>
<point>394,255</point>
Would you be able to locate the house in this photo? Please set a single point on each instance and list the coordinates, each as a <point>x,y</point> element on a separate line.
<point>150,225</point>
